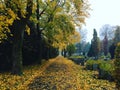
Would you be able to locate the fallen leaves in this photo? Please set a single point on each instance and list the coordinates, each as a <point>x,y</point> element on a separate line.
<point>56,74</point>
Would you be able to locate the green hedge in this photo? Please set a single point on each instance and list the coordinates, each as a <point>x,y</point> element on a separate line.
<point>106,70</point>
<point>90,64</point>
<point>107,66</point>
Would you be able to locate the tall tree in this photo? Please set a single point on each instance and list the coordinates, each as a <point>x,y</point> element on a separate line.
<point>117,66</point>
<point>117,35</point>
<point>70,49</point>
<point>106,30</point>
<point>105,45</point>
<point>112,50</point>
<point>115,41</point>
<point>23,11</point>
<point>16,15</point>
<point>95,45</point>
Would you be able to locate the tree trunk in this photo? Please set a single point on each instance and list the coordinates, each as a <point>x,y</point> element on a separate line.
<point>39,33</point>
<point>18,35</point>
<point>39,38</point>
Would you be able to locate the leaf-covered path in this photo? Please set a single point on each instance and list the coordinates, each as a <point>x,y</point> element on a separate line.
<point>55,74</point>
<point>63,74</point>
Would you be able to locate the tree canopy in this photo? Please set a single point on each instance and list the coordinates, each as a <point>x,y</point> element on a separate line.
<point>54,21</point>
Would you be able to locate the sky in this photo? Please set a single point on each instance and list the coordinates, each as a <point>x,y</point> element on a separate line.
<point>103,12</point>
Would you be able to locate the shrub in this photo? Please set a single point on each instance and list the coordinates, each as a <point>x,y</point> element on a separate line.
<point>90,64</point>
<point>107,66</point>
<point>106,69</point>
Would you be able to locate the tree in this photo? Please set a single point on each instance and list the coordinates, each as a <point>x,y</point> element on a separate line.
<point>51,9</point>
<point>90,52</point>
<point>117,66</point>
<point>95,45</point>
<point>86,48</point>
<point>112,50</point>
<point>105,45</point>
<point>117,35</point>
<point>70,49</point>
<point>21,10</point>
<point>107,30</point>
<point>115,40</point>
<point>17,15</point>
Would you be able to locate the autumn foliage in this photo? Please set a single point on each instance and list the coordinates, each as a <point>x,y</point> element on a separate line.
<point>56,74</point>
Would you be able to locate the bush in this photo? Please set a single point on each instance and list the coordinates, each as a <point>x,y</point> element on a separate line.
<point>107,66</point>
<point>117,66</point>
<point>106,70</point>
<point>92,64</point>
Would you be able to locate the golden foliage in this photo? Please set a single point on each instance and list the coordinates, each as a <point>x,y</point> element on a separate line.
<point>62,40</point>
<point>27,30</point>
<point>11,10</point>
<point>58,73</point>
<point>6,21</point>
<point>78,10</point>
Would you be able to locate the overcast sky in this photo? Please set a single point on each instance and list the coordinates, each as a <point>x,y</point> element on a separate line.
<point>103,12</point>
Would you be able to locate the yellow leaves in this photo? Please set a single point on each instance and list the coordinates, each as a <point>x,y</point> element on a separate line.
<point>20,5</point>
<point>59,41</point>
<point>12,14</point>
<point>6,21</point>
<point>34,20</point>
<point>118,44</point>
<point>79,11</point>
<point>9,21</point>
<point>74,38</point>
<point>14,82</point>
<point>59,73</point>
<point>1,5</point>
<point>62,39</point>
<point>27,30</point>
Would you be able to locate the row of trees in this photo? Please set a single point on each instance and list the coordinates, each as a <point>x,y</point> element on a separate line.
<point>110,36</point>
<point>47,22</point>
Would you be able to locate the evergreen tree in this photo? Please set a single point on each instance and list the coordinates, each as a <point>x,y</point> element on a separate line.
<point>95,46</point>
<point>105,45</point>
<point>117,66</point>
<point>112,50</point>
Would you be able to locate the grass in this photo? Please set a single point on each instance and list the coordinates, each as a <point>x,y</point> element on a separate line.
<point>56,74</point>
